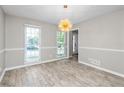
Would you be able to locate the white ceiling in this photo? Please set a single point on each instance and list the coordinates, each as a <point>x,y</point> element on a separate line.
<point>54,13</point>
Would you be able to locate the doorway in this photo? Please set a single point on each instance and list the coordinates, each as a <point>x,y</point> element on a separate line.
<point>73,43</point>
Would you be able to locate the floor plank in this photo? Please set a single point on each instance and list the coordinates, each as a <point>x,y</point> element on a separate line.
<point>64,73</point>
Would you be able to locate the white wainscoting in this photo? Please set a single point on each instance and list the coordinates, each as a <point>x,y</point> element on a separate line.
<point>3,72</point>
<point>102,49</point>
<point>26,65</point>
<point>31,64</point>
<point>103,69</point>
<point>1,51</point>
<point>2,75</point>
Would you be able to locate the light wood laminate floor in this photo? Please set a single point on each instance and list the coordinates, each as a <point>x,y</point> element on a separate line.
<point>64,73</point>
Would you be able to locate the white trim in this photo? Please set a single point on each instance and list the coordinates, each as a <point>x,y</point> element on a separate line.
<point>73,29</point>
<point>14,49</point>
<point>2,75</point>
<point>102,49</point>
<point>1,51</point>
<point>25,33</point>
<point>18,49</point>
<point>48,47</point>
<point>37,26</point>
<point>31,64</point>
<point>103,69</point>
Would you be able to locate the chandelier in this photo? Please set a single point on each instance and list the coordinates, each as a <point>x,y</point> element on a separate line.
<point>65,25</point>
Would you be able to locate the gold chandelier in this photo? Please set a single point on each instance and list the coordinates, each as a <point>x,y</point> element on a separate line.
<point>65,25</point>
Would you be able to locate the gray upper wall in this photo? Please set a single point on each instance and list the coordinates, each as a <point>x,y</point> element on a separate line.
<point>15,33</point>
<point>2,19</point>
<point>105,31</point>
<point>99,38</point>
<point>15,39</point>
<point>2,40</point>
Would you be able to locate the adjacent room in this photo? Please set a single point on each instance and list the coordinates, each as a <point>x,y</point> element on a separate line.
<point>61,46</point>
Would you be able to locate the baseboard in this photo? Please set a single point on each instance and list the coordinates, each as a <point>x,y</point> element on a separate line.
<point>31,64</point>
<point>103,69</point>
<point>22,66</point>
<point>3,73</point>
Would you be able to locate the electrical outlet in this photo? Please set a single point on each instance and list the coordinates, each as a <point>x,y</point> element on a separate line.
<point>94,61</point>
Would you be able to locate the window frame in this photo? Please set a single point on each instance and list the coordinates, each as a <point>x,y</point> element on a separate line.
<point>25,36</point>
<point>58,55</point>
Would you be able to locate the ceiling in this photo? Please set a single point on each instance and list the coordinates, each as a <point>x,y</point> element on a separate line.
<point>54,13</point>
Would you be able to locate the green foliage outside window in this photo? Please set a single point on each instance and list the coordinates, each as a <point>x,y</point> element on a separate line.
<point>60,43</point>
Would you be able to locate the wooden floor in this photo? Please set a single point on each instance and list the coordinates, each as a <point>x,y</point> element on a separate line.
<point>64,73</point>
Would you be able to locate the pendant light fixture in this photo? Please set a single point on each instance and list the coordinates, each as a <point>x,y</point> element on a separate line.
<point>65,25</point>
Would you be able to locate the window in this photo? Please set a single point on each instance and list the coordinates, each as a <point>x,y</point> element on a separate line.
<point>32,43</point>
<point>60,44</point>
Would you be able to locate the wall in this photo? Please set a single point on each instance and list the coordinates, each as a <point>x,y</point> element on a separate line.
<point>2,52</point>
<point>101,41</point>
<point>15,40</point>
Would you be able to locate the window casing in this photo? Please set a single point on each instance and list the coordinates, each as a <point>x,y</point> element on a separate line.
<point>60,44</point>
<point>32,43</point>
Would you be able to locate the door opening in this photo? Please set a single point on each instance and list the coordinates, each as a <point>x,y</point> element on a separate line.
<point>73,43</point>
